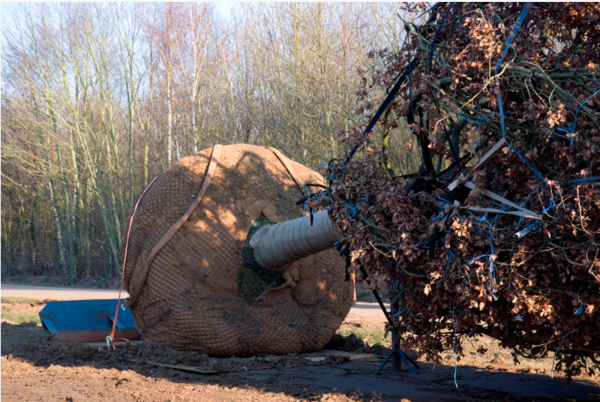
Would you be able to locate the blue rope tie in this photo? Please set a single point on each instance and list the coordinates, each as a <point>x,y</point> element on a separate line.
<point>441,214</point>
<point>476,258</point>
<point>572,127</point>
<point>400,312</point>
<point>330,168</point>
<point>582,180</point>
<point>454,345</point>
<point>483,218</point>
<point>353,207</point>
<point>303,210</point>
<point>580,309</point>
<point>446,201</point>
<point>476,123</point>
<point>525,160</point>
<point>402,291</point>
<point>492,271</point>
<point>449,257</point>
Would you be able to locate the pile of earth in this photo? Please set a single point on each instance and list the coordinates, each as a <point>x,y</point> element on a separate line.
<point>44,351</point>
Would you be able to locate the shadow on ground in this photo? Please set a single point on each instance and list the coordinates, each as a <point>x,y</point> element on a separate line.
<point>27,351</point>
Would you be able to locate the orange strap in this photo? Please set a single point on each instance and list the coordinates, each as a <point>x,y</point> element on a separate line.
<point>288,166</point>
<point>171,232</point>
<point>112,333</point>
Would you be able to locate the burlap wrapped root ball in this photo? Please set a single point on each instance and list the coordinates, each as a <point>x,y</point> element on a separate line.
<point>198,294</point>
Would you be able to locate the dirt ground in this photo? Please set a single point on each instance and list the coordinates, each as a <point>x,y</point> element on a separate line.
<point>37,368</point>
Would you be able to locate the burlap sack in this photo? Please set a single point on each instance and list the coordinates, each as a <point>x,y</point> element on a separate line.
<point>191,297</point>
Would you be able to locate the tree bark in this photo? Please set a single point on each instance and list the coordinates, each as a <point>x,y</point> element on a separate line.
<point>277,246</point>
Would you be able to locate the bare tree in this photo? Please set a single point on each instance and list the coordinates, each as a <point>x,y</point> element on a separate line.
<point>98,98</point>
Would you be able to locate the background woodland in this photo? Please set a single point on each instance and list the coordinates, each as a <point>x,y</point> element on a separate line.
<point>97,99</point>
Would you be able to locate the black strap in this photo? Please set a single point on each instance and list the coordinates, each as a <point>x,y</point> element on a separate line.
<point>376,294</point>
<point>410,100</point>
<point>454,153</point>
<point>437,55</point>
<point>437,34</point>
<point>382,109</point>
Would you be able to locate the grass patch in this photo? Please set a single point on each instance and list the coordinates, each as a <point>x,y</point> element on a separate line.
<point>19,317</point>
<point>367,335</point>
<point>252,279</point>
<point>18,300</point>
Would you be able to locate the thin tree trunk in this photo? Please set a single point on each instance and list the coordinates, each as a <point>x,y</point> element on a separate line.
<point>169,122</point>
<point>176,139</point>
<point>68,219</point>
<point>61,245</point>
<point>59,231</point>
<point>32,238</point>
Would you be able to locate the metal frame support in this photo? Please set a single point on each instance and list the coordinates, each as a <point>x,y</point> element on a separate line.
<point>396,353</point>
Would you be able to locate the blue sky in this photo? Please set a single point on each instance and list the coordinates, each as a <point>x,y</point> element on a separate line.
<point>6,12</point>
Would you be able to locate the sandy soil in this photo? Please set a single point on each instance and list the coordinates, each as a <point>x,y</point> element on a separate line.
<point>36,368</point>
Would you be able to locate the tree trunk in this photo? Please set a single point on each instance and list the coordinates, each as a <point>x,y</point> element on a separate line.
<point>169,122</point>
<point>277,246</point>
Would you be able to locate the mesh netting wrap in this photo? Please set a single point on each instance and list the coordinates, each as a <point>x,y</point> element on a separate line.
<point>191,297</point>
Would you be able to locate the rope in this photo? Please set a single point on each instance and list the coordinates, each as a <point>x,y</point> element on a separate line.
<point>171,232</point>
<point>572,127</point>
<point>111,338</point>
<point>288,166</point>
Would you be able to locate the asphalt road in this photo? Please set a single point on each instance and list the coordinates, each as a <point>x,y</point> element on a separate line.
<point>52,293</point>
<point>365,314</point>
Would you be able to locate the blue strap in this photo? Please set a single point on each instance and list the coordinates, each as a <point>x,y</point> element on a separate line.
<point>518,24</point>
<point>528,164</point>
<point>582,180</point>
